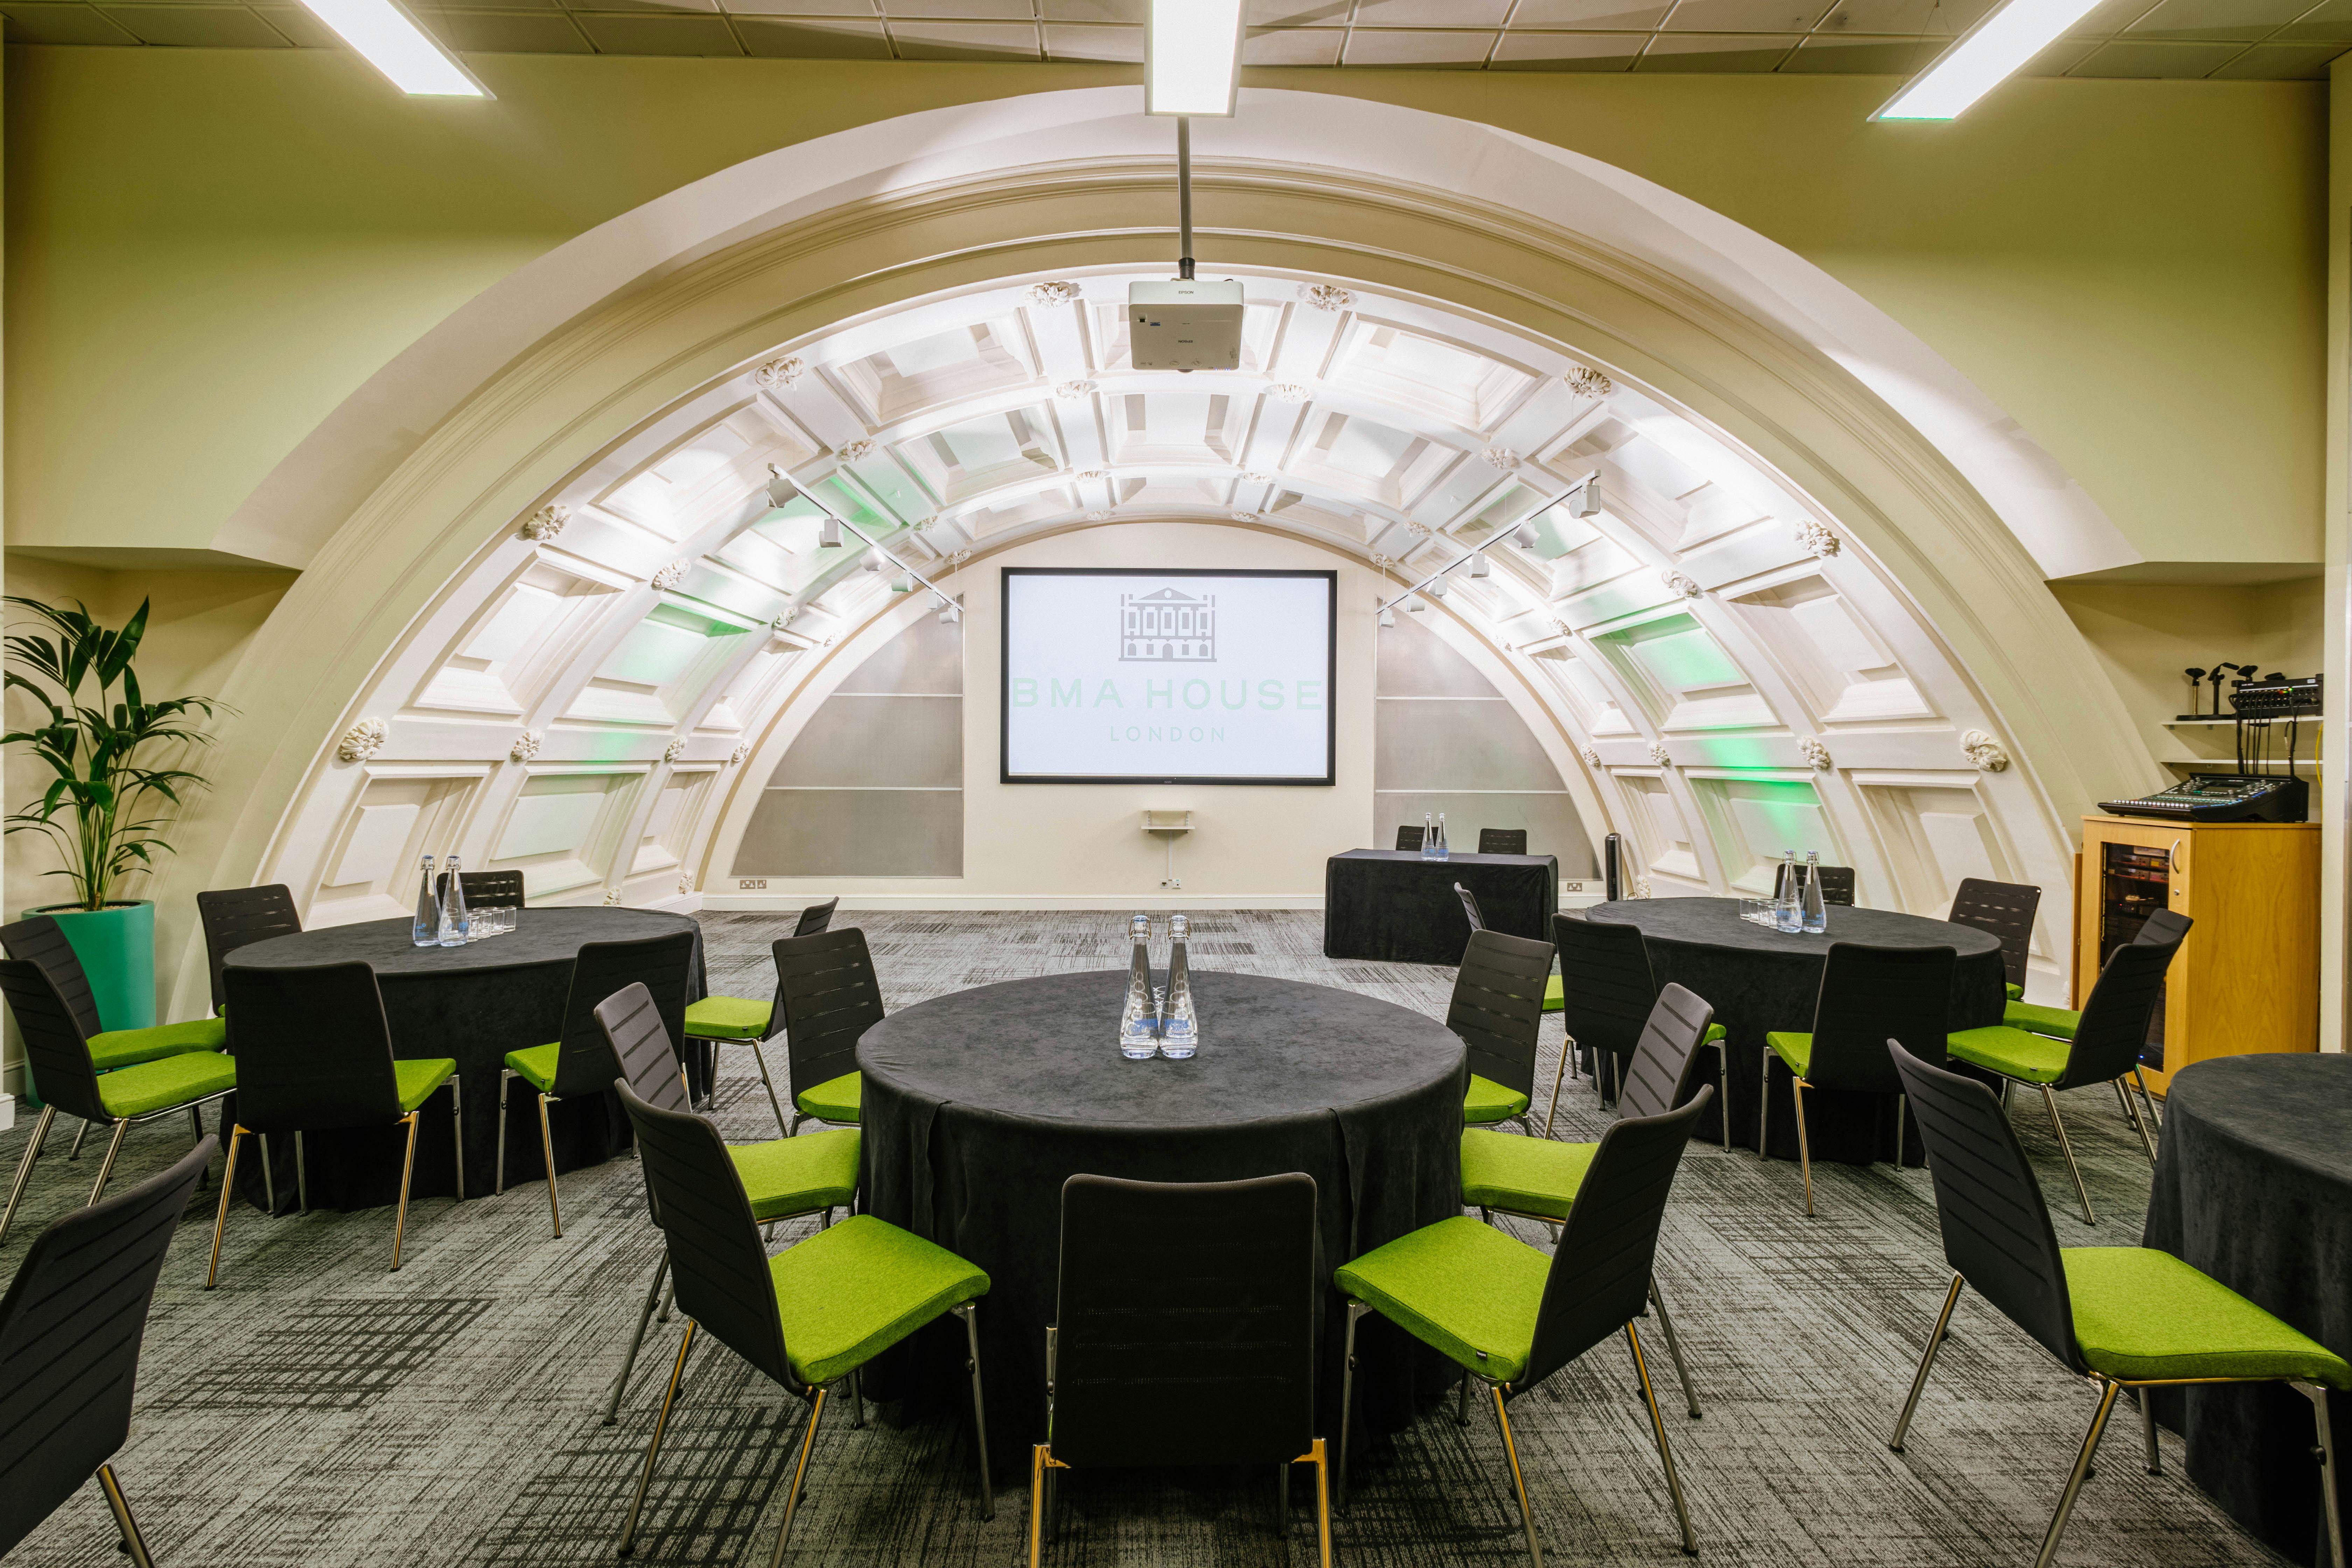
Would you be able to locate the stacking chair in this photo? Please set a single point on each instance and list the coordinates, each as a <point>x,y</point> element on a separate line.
<point>238,917</point>
<point>1408,840</point>
<point>783,1178</point>
<point>1868,995</point>
<point>1608,993</point>
<point>1511,1317</point>
<point>580,1060</point>
<point>1497,1009</point>
<point>1470,910</point>
<point>806,1318</point>
<point>40,939</point>
<point>2123,1317</point>
<point>491,890</point>
<point>70,1327</point>
<point>65,1076</point>
<point>2162,929</point>
<point>717,1019</point>
<point>1184,1334</point>
<point>2003,910</point>
<point>314,1055</point>
<point>1837,882</point>
<point>1538,1179</point>
<point>830,999</point>
<point>1502,841</point>
<point>2103,1046</point>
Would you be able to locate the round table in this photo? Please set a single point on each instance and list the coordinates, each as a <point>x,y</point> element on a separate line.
<point>476,1003</point>
<point>2253,1186</point>
<point>1760,980</point>
<point>979,1104</point>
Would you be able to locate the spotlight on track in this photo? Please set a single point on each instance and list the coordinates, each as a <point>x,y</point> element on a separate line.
<point>1388,618</point>
<point>1478,567</point>
<point>828,534</point>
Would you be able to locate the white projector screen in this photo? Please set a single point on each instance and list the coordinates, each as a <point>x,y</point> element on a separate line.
<point>1177,676</point>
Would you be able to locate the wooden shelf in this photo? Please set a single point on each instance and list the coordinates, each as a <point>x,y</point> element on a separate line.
<point>2232,723</point>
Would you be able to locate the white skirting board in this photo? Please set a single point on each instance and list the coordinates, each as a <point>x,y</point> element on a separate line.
<point>7,1111</point>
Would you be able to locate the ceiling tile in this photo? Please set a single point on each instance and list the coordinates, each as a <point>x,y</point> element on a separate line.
<point>1431,13</point>
<point>646,35</point>
<point>198,26</point>
<point>2218,21</point>
<point>657,7</point>
<point>1298,13</point>
<point>1715,52</point>
<point>306,30</point>
<point>1416,46</point>
<point>1293,45</point>
<point>61,24</point>
<point>1065,41</point>
<point>964,40</point>
<point>863,10</point>
<point>514,33</point>
<point>2059,57</point>
<point>1906,18</point>
<point>806,39</point>
<point>1601,15</point>
<point>1747,16</point>
<point>2329,23</point>
<point>1567,51</point>
<point>1863,56</point>
<point>2110,16</point>
<point>505,6</point>
<point>950,10</point>
<point>2281,62</point>
<point>1096,10</point>
<point>2171,61</point>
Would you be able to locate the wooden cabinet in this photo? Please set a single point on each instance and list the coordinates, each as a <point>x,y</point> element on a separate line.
<point>2247,979</point>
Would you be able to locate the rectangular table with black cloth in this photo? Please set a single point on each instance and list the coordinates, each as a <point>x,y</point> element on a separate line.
<point>1399,908</point>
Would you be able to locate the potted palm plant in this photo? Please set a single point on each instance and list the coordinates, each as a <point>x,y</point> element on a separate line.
<point>102,740</point>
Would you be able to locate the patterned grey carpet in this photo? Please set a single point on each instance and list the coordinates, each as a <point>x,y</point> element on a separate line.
<point>318,1410</point>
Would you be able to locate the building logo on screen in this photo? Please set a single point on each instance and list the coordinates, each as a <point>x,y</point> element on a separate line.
<point>1167,627</point>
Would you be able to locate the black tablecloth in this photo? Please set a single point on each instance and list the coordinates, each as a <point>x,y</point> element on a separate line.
<point>476,1003</point>
<point>979,1104</point>
<point>2253,1186</point>
<point>1761,980</point>
<point>1391,904</point>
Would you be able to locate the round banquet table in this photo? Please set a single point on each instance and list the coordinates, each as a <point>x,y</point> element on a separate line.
<point>979,1104</point>
<point>1760,980</point>
<point>2253,1186</point>
<point>476,1003</point>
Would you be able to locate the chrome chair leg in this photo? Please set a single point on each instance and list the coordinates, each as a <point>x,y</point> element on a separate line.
<point>1674,1350</point>
<point>1926,1360</point>
<point>2131,1114</point>
<point>268,1177</point>
<point>1899,1108</point>
<point>301,1174</point>
<point>133,1543</point>
<point>498,1182</point>
<point>767,1083</point>
<point>1356,1311</point>
<point>1723,1083</point>
<point>2147,1428</point>
<point>547,1150</point>
<point>653,1449</point>
<point>2067,1149</point>
<point>24,1168</point>
<point>2147,1099</point>
<point>408,1169</point>
<point>228,1186</point>
<point>2328,1473</point>
<point>636,1340</point>
<point>856,1403</point>
<point>458,1128</point>
<point>1804,1147</point>
<point>81,1132</point>
<point>800,1469</point>
<point>1658,1430</point>
<point>113,1152</point>
<point>970,1313</point>
<point>1462,1403</point>
<point>1567,1047</point>
<point>196,1118</point>
<point>2075,1481</point>
<point>1511,1451</point>
<point>1764,1106</point>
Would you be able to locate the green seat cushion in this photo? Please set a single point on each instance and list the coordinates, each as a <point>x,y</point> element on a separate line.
<point>1714,1032</point>
<point>1555,995</point>
<point>2016,993</point>
<point>2012,1053</point>
<point>796,1176</point>
<point>1797,1050</point>
<point>2143,1314</point>
<point>728,1018</point>
<point>125,1048</point>
<point>848,1293</point>
<point>1490,1102</point>
<point>835,1100</point>
<point>2058,1023</point>
<point>1459,1287</point>
<point>144,1087</point>
<point>536,1063</point>
<point>1525,1175</point>
<point>416,1080</point>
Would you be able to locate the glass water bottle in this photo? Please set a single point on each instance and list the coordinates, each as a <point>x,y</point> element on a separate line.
<point>1137,1021</point>
<point>455,924</point>
<point>1817,914</point>
<point>1439,853</point>
<point>1180,1026</point>
<point>426,930</point>
<point>1428,835</point>
<point>1785,915</point>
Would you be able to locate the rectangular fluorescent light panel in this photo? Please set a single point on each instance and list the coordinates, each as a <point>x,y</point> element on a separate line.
<point>1191,57</point>
<point>393,43</point>
<point>1986,56</point>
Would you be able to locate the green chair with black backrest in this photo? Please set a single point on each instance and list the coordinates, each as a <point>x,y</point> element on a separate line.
<point>1495,1011</point>
<point>2103,1047</point>
<point>2004,910</point>
<point>67,1078</point>
<point>806,1318</point>
<point>1610,992</point>
<point>579,1061</point>
<point>1478,918</point>
<point>830,997</point>
<point>1509,1316</point>
<point>717,1020</point>
<point>239,916</point>
<point>2162,929</point>
<point>1869,995</point>
<point>1538,1179</point>
<point>785,1178</point>
<point>2123,1317</point>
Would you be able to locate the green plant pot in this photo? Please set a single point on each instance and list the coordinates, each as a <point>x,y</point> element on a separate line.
<point>117,949</point>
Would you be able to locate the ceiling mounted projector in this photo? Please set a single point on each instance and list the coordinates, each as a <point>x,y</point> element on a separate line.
<point>1184,324</point>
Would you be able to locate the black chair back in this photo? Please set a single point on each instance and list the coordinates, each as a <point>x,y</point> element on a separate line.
<point>640,1043</point>
<point>1497,1006</point>
<point>1606,987</point>
<point>238,917</point>
<point>492,889</point>
<point>2113,1029</point>
<point>2162,929</point>
<point>1837,882</point>
<point>1870,995</point>
<point>2003,910</point>
<point>718,1268</point>
<point>816,917</point>
<point>584,1063</point>
<point>1661,1071</point>
<point>1996,1228</point>
<point>1408,839</point>
<point>831,998</point>
<point>1502,841</point>
<point>313,1051</point>
<point>70,1328</point>
<point>1470,907</point>
<point>1185,1328</point>
<point>42,940</point>
<point>54,1046</point>
<point>1599,1278</point>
